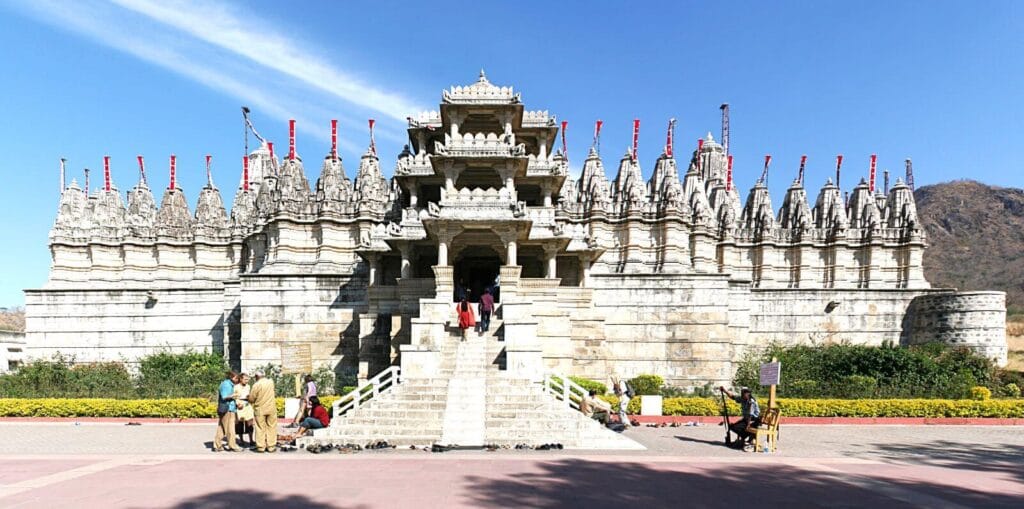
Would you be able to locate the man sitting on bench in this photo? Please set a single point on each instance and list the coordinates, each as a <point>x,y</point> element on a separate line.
<point>600,414</point>
<point>750,416</point>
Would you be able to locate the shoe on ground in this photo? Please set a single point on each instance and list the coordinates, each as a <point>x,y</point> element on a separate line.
<point>272,449</point>
<point>259,450</point>
<point>236,449</point>
<point>216,449</point>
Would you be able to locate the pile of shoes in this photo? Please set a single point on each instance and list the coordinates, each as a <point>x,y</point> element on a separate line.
<point>440,448</point>
<point>383,444</point>
<point>549,447</point>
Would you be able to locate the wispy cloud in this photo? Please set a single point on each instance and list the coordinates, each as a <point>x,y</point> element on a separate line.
<point>253,39</point>
<point>223,61</point>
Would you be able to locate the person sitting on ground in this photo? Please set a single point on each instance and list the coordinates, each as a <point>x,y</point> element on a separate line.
<point>318,417</point>
<point>750,414</point>
<point>466,317</point>
<point>244,416</point>
<point>602,410</point>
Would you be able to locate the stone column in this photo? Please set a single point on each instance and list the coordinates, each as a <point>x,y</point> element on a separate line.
<point>406,250</point>
<point>445,235</point>
<point>421,139</point>
<point>542,140</point>
<point>454,119</point>
<point>546,190</point>
<point>551,253</point>
<point>584,270</point>
<point>414,194</point>
<point>374,261</point>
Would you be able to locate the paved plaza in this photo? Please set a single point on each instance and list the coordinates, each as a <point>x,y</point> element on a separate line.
<point>170,465</point>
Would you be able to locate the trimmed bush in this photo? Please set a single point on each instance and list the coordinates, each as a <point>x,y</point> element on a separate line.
<point>647,385</point>
<point>590,385</point>
<point>980,393</point>
<point>1011,390</point>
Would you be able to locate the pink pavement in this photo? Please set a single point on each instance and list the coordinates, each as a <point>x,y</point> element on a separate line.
<point>478,480</point>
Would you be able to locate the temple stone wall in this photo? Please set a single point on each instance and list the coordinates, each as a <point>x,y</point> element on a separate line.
<point>676,327</point>
<point>973,319</point>
<point>111,325</point>
<point>323,311</point>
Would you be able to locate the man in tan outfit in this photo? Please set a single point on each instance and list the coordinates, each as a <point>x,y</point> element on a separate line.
<point>264,406</point>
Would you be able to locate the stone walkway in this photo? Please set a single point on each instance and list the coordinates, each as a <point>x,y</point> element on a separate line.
<point>169,465</point>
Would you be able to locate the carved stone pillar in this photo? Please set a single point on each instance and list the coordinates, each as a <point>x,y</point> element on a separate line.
<point>507,174</point>
<point>445,235</point>
<point>414,195</point>
<point>454,120</point>
<point>374,261</point>
<point>551,256</point>
<point>421,142</point>
<point>546,190</point>
<point>543,142</point>
<point>406,251</point>
<point>584,270</point>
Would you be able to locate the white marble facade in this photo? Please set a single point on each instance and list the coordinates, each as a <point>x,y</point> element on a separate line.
<point>675,275</point>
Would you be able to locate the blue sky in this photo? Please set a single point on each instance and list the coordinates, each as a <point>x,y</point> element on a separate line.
<point>936,81</point>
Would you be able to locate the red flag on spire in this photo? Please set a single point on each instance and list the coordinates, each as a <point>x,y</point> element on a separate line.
<point>871,173</point>
<point>669,136</point>
<point>764,173</point>
<point>171,186</point>
<point>291,139</point>
<point>106,173</point>
<point>839,165</point>
<point>373,145</point>
<point>565,149</point>
<point>245,173</point>
<point>803,162</point>
<point>728,176</point>
<point>142,168</point>
<point>334,139</point>
<point>209,176</point>
<point>700,146</point>
<point>597,135</point>
<point>636,138</point>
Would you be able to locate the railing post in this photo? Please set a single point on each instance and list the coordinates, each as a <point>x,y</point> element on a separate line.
<point>566,392</point>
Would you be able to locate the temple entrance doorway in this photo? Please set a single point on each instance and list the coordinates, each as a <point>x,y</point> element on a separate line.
<point>476,269</point>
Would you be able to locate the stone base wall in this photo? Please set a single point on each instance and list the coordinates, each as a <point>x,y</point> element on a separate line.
<point>321,310</point>
<point>114,325</point>
<point>973,319</point>
<point>670,325</point>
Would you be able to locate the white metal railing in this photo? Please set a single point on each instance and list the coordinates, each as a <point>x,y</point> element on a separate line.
<point>563,389</point>
<point>367,391</point>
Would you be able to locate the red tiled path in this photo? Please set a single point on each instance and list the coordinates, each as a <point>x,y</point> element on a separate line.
<point>478,480</point>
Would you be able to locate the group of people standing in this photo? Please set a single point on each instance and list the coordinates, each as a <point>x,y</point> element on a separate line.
<point>245,407</point>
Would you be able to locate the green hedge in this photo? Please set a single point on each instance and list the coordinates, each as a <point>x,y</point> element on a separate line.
<point>847,407</point>
<point>97,407</point>
<point>197,407</point>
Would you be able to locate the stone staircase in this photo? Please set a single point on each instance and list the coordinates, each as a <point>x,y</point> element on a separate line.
<point>472,401</point>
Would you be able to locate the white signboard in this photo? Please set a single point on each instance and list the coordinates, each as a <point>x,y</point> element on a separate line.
<point>770,373</point>
<point>295,358</point>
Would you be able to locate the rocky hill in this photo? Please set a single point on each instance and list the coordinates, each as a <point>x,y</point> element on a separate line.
<point>975,236</point>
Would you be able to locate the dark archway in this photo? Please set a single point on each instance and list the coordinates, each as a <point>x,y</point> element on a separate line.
<point>476,270</point>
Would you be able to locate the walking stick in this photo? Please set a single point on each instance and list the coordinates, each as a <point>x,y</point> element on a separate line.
<point>725,419</point>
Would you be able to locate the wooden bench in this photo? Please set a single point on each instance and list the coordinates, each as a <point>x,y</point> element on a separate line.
<point>769,429</point>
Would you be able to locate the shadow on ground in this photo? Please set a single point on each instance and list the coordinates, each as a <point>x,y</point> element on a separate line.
<point>1002,458</point>
<point>581,483</point>
<point>235,499</point>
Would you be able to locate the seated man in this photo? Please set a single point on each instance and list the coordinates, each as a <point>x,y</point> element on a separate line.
<point>750,414</point>
<point>600,414</point>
